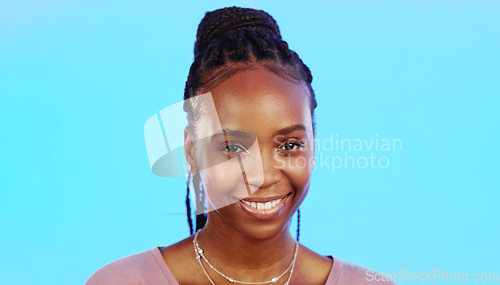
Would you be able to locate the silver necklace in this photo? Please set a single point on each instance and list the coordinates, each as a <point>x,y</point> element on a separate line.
<point>200,255</point>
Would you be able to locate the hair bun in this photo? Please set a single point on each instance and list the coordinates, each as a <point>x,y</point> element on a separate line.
<point>218,23</point>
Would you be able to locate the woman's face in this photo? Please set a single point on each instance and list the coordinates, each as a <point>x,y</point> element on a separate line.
<point>256,169</point>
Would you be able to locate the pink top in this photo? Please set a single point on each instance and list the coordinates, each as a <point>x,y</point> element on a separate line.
<point>149,268</point>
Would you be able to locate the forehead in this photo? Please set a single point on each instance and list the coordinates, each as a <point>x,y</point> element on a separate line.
<point>258,100</point>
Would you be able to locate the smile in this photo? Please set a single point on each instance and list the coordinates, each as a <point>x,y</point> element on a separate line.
<point>263,208</point>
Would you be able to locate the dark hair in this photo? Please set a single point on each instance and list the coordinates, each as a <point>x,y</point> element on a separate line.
<point>230,40</point>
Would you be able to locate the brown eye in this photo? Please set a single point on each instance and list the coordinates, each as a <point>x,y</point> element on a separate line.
<point>292,146</point>
<point>233,148</point>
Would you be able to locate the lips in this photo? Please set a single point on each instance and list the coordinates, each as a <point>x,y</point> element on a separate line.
<point>263,208</point>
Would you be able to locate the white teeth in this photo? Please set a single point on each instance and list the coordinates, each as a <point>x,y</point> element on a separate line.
<point>263,206</point>
<point>267,206</point>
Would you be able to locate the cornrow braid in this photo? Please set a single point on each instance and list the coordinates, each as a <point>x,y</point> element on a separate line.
<point>298,224</point>
<point>188,206</point>
<point>234,39</point>
<point>201,219</point>
<point>217,23</point>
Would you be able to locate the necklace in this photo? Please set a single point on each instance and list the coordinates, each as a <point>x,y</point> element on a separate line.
<point>200,255</point>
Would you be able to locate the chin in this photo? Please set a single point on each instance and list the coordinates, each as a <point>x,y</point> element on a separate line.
<point>267,232</point>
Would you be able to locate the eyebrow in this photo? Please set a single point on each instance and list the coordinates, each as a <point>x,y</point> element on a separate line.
<point>290,129</point>
<point>247,134</point>
<point>234,133</point>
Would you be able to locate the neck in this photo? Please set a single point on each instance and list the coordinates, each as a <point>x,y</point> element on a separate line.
<point>245,258</point>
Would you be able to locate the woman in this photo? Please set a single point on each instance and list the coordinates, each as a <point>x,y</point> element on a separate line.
<point>253,154</point>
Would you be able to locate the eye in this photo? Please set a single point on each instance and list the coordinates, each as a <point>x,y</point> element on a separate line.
<point>233,148</point>
<point>292,146</point>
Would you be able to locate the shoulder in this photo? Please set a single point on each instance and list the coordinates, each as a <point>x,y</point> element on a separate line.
<point>134,269</point>
<point>348,273</point>
<point>312,268</point>
<point>181,260</point>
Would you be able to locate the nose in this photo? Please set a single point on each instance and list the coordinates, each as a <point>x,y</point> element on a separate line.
<point>270,173</point>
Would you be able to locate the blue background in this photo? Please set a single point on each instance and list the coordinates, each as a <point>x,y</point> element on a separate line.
<point>78,80</point>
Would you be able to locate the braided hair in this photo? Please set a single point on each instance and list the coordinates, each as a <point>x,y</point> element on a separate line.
<point>228,41</point>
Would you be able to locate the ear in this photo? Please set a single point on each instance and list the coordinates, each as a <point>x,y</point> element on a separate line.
<point>190,151</point>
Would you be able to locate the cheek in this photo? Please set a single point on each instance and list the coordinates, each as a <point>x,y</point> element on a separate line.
<point>300,179</point>
<point>223,183</point>
<point>299,171</point>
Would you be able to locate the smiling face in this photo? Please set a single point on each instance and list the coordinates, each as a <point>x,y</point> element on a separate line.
<point>256,171</point>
